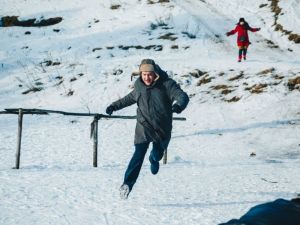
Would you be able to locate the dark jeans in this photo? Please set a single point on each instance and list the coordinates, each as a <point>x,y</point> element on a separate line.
<point>137,159</point>
<point>242,52</point>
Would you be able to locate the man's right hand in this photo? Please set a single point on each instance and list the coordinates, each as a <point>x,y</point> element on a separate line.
<point>176,108</point>
<point>109,110</point>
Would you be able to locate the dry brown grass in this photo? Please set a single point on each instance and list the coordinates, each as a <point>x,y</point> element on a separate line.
<point>197,73</point>
<point>257,88</point>
<point>295,38</point>
<point>150,2</point>
<point>294,83</point>
<point>226,91</point>
<point>14,21</point>
<point>278,77</point>
<point>237,77</point>
<point>262,5</point>
<point>113,7</point>
<point>204,80</point>
<point>234,99</point>
<point>96,49</point>
<point>220,87</point>
<point>33,89</point>
<point>278,27</point>
<point>223,88</point>
<point>266,71</point>
<point>168,36</point>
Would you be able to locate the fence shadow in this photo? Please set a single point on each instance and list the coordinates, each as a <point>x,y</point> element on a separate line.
<point>203,205</point>
<point>271,124</point>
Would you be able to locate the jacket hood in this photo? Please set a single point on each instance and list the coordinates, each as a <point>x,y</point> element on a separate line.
<point>246,25</point>
<point>149,63</point>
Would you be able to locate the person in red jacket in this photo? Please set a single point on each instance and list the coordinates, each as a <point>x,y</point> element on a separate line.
<point>243,42</point>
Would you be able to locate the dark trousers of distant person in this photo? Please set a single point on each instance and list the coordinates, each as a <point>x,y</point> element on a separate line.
<point>242,52</point>
<point>137,160</point>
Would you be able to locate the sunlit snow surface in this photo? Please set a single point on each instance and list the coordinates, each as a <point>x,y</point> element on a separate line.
<point>210,177</point>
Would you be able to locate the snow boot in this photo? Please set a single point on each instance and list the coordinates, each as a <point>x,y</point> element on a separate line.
<point>154,165</point>
<point>124,191</point>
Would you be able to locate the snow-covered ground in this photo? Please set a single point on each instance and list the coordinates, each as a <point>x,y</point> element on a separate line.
<point>210,177</point>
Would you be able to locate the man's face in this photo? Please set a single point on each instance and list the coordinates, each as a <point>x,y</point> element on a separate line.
<point>148,78</point>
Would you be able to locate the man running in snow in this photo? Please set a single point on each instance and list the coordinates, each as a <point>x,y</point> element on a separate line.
<point>157,96</point>
<point>243,42</point>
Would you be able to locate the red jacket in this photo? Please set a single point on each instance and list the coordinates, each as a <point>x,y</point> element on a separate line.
<point>242,30</point>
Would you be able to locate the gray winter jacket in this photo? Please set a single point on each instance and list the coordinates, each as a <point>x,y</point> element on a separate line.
<point>154,112</point>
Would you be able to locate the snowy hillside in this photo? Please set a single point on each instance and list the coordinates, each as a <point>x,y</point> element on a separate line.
<point>87,60</point>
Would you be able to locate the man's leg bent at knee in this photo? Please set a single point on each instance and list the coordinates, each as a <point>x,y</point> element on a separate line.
<point>155,156</point>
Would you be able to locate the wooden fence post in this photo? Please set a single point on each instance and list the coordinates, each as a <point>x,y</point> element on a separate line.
<point>94,128</point>
<point>95,140</point>
<point>165,159</point>
<point>18,153</point>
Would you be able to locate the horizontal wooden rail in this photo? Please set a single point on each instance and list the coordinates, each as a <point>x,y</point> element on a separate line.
<point>94,127</point>
<point>46,112</point>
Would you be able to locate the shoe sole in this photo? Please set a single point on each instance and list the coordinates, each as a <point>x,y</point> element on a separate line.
<point>124,192</point>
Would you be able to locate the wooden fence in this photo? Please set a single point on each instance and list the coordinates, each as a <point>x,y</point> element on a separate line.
<point>94,127</point>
